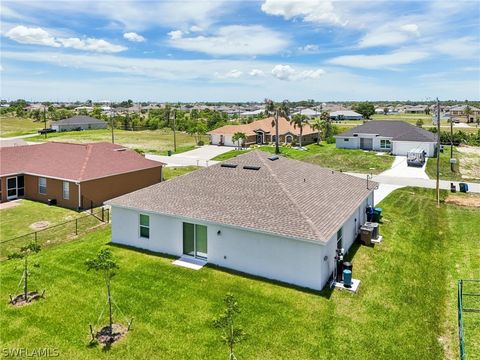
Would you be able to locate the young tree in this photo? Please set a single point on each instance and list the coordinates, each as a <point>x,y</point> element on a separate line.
<point>419,123</point>
<point>299,121</point>
<point>366,109</point>
<point>239,137</point>
<point>231,334</point>
<point>317,124</point>
<point>467,112</point>
<point>106,265</point>
<point>24,253</point>
<point>326,124</point>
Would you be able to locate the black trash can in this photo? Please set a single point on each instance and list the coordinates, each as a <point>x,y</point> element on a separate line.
<point>169,152</point>
<point>369,212</point>
<point>453,188</point>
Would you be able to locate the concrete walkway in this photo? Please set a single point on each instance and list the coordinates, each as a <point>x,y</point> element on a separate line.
<point>201,156</point>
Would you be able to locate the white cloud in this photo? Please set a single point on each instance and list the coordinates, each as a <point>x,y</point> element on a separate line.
<point>39,36</point>
<point>232,40</point>
<point>309,49</point>
<point>256,72</point>
<point>380,61</point>
<point>411,28</point>
<point>195,28</point>
<point>319,11</point>
<point>288,73</point>
<point>34,36</point>
<point>389,35</point>
<point>464,47</point>
<point>232,74</point>
<point>131,36</point>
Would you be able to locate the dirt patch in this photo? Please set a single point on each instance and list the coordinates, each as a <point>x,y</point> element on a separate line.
<point>469,200</point>
<point>470,162</point>
<point>9,204</point>
<point>104,337</point>
<point>39,225</point>
<point>32,296</point>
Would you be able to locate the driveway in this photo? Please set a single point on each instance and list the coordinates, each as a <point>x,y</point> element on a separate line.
<point>401,169</point>
<point>201,156</point>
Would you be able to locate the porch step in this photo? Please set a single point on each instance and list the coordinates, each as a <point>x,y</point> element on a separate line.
<point>190,263</point>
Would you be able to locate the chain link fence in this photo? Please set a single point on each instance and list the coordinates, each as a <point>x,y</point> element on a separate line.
<point>58,233</point>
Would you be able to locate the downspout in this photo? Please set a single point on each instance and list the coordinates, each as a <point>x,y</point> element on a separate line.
<point>79,196</point>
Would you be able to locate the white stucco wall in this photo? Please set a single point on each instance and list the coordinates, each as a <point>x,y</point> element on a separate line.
<point>403,147</point>
<point>288,260</point>
<point>352,143</point>
<point>76,127</point>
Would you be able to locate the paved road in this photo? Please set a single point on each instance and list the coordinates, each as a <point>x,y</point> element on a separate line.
<point>200,156</point>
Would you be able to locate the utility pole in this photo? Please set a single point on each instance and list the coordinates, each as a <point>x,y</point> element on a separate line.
<point>174,130</point>
<point>111,123</point>
<point>44,122</point>
<point>451,145</point>
<point>438,154</point>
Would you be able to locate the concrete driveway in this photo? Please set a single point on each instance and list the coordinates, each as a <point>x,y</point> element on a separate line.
<point>401,169</point>
<point>201,156</point>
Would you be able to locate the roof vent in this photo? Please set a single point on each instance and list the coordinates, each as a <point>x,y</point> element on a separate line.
<point>273,158</point>
<point>355,134</point>
<point>229,165</point>
<point>248,167</point>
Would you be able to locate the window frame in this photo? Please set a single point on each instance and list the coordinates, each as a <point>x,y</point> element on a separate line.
<point>384,143</point>
<point>68,190</point>
<point>40,186</point>
<point>141,226</point>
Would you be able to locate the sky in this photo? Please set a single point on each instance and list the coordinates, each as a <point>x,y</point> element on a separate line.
<point>225,50</point>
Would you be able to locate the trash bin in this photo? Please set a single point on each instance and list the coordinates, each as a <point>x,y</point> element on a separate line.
<point>347,278</point>
<point>377,214</point>
<point>366,234</point>
<point>369,212</point>
<point>463,187</point>
<point>347,265</point>
<point>453,188</point>
<point>169,152</point>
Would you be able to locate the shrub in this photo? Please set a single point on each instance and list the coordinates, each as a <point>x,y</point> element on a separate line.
<point>201,143</point>
<point>331,140</point>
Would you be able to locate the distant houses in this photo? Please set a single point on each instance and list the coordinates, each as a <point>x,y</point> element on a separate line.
<point>345,115</point>
<point>79,122</point>
<point>459,112</point>
<point>75,176</point>
<point>263,132</point>
<point>397,137</point>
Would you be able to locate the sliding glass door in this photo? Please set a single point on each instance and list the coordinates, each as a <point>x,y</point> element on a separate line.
<point>195,240</point>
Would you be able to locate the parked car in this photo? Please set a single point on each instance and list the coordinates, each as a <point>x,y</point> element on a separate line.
<point>46,131</point>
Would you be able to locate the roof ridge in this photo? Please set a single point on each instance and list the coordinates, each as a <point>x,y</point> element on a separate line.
<point>84,166</point>
<point>290,197</point>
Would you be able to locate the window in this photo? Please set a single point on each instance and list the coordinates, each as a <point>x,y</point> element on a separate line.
<point>66,190</point>
<point>339,238</point>
<point>20,185</point>
<point>144,226</point>
<point>385,144</point>
<point>346,139</point>
<point>42,185</point>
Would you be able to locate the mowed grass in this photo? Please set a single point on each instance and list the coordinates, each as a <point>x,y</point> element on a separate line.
<point>149,141</point>
<point>171,172</point>
<point>405,307</point>
<point>327,155</point>
<point>15,126</point>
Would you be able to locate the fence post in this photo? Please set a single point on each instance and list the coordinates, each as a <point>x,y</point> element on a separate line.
<point>91,207</point>
<point>103,214</point>
<point>35,237</point>
<point>76,226</point>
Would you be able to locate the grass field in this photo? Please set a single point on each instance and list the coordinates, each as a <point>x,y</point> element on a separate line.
<point>150,141</point>
<point>14,126</point>
<point>171,172</point>
<point>464,166</point>
<point>405,307</point>
<point>327,155</point>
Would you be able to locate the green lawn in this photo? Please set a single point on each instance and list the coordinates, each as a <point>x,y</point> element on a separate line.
<point>405,307</point>
<point>445,168</point>
<point>14,126</point>
<point>171,172</point>
<point>327,155</point>
<point>151,141</point>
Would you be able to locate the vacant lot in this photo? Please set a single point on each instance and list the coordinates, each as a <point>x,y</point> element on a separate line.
<point>151,141</point>
<point>327,155</point>
<point>14,126</point>
<point>467,167</point>
<point>405,307</point>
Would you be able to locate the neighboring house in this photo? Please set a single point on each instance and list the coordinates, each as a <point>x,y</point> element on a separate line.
<point>416,109</point>
<point>263,132</point>
<point>76,176</point>
<point>397,137</point>
<point>259,214</point>
<point>80,122</point>
<point>252,113</point>
<point>308,112</point>
<point>345,115</point>
<point>459,112</point>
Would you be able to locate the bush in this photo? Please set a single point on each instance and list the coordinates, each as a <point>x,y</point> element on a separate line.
<point>201,143</point>
<point>331,140</point>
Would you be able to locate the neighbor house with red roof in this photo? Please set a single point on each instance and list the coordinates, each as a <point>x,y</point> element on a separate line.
<point>263,132</point>
<point>75,176</point>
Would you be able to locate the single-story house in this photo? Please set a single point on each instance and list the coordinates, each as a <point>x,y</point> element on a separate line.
<point>345,115</point>
<point>416,109</point>
<point>459,112</point>
<point>260,214</point>
<point>79,122</point>
<point>76,176</point>
<point>308,112</point>
<point>263,132</point>
<point>395,136</point>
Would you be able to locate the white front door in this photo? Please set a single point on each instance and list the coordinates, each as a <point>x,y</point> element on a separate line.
<point>12,192</point>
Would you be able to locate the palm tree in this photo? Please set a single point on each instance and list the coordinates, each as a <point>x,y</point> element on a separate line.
<point>299,121</point>
<point>467,112</point>
<point>277,110</point>
<point>237,137</point>
<point>317,124</point>
<point>326,123</point>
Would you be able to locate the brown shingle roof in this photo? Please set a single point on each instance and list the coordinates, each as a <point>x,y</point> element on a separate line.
<point>284,197</point>
<point>76,162</point>
<point>284,127</point>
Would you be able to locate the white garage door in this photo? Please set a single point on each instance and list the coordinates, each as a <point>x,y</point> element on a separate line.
<point>403,147</point>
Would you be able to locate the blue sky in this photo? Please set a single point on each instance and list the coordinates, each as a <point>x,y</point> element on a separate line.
<point>240,50</point>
